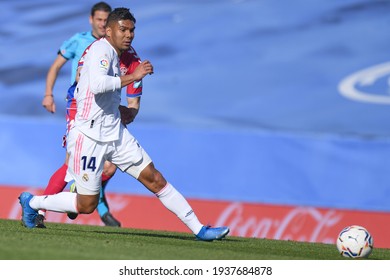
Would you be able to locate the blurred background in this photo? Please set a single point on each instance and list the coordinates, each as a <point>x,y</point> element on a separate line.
<point>261,102</point>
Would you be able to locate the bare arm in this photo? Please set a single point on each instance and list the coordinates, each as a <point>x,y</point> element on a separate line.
<point>129,113</point>
<point>144,68</point>
<point>133,104</point>
<point>48,99</point>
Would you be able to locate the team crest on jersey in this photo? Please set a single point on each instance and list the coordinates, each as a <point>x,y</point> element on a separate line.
<point>104,63</point>
<point>123,71</point>
<point>85,177</point>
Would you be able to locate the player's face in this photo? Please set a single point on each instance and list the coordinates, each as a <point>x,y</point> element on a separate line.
<point>121,35</point>
<point>98,22</point>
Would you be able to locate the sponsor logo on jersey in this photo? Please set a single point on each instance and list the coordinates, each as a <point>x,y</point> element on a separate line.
<point>137,84</point>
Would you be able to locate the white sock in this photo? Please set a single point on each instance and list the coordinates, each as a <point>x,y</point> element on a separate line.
<point>177,204</point>
<point>42,212</point>
<point>61,202</point>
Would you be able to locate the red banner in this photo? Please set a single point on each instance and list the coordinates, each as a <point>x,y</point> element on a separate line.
<point>310,224</point>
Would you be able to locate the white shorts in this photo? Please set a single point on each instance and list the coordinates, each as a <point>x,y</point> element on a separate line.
<point>87,157</point>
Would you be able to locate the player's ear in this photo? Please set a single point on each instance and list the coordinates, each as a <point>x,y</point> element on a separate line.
<point>90,20</point>
<point>108,31</point>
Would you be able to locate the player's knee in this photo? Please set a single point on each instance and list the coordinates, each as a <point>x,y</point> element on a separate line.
<point>152,179</point>
<point>159,180</point>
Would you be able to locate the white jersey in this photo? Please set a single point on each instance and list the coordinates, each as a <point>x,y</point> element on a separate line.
<point>98,93</point>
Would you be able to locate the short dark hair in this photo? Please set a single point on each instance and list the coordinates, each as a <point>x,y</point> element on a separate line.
<point>101,6</point>
<point>120,14</point>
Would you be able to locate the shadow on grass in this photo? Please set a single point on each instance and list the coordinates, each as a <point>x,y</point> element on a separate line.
<point>137,232</point>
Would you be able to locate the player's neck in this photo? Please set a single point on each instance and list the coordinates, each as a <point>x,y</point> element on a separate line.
<point>96,36</point>
<point>118,51</point>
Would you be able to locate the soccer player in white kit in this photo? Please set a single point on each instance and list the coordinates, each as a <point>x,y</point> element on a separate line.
<point>99,135</point>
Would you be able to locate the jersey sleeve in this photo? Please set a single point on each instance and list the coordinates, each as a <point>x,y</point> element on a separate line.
<point>100,66</point>
<point>69,47</point>
<point>134,89</point>
<point>129,61</point>
<point>80,63</point>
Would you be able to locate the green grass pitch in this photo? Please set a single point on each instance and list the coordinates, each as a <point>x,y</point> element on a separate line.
<point>82,242</point>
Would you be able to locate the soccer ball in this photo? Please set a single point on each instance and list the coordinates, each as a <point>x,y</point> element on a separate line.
<point>355,242</point>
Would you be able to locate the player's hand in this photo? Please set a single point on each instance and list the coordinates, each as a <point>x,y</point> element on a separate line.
<point>127,115</point>
<point>48,103</point>
<point>143,69</point>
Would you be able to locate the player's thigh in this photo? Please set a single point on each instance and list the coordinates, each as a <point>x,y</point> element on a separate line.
<point>109,168</point>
